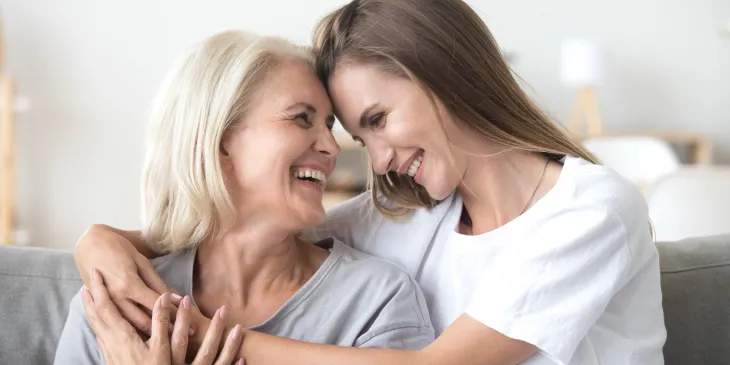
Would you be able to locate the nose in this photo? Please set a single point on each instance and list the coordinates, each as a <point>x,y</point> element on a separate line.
<point>380,156</point>
<point>326,144</point>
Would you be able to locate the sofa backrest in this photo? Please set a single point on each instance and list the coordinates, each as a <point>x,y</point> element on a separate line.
<point>36,286</point>
<point>696,292</point>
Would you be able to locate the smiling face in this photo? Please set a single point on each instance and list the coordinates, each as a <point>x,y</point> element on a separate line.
<point>400,126</point>
<point>277,159</point>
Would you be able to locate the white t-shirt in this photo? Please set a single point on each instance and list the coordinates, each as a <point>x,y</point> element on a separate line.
<point>577,275</point>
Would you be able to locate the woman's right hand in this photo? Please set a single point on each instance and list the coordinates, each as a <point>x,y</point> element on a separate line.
<point>128,275</point>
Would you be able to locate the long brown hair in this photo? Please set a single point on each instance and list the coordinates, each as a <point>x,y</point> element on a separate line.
<point>444,46</point>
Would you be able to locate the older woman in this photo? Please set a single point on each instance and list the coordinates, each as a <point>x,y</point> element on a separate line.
<point>239,150</point>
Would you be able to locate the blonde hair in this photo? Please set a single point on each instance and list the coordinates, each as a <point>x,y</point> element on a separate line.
<point>206,94</point>
<point>444,46</point>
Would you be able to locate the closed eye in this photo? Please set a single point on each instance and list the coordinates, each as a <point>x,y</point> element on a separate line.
<point>376,120</point>
<point>304,116</point>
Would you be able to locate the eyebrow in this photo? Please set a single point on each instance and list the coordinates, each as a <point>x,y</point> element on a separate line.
<point>309,107</point>
<point>364,115</point>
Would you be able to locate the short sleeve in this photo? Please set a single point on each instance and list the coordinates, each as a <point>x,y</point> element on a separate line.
<point>402,322</point>
<point>77,344</point>
<point>551,288</point>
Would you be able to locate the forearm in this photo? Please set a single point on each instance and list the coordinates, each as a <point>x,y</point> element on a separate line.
<point>99,232</point>
<point>262,349</point>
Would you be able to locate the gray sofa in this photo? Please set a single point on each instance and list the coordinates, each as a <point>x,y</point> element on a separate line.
<point>37,284</point>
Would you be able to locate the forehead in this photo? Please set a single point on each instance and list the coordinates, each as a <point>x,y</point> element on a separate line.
<point>355,87</point>
<point>293,82</point>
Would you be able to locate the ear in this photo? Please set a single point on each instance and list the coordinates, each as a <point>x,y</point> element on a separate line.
<point>225,145</point>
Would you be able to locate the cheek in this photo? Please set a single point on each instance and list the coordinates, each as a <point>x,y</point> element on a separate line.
<point>259,162</point>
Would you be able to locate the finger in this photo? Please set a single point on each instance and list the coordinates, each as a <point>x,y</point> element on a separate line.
<point>152,279</point>
<point>230,347</point>
<point>161,322</point>
<point>181,332</point>
<point>211,342</point>
<point>95,321</point>
<point>145,296</point>
<point>103,302</point>
<point>139,292</point>
<point>106,309</point>
<point>136,316</point>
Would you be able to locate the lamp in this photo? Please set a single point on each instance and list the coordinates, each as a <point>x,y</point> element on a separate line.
<point>581,68</point>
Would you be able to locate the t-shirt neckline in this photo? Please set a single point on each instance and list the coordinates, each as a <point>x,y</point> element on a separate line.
<point>522,219</point>
<point>332,244</point>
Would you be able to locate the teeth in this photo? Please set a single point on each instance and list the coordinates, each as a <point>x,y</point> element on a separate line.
<point>413,169</point>
<point>314,174</point>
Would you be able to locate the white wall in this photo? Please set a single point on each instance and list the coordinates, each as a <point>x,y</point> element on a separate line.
<point>91,68</point>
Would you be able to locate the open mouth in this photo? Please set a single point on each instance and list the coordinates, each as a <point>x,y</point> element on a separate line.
<point>416,164</point>
<point>308,175</point>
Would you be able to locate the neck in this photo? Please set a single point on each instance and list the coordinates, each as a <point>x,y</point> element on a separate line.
<point>497,189</point>
<point>251,261</point>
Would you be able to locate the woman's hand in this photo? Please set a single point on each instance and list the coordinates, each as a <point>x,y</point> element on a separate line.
<point>121,345</point>
<point>130,277</point>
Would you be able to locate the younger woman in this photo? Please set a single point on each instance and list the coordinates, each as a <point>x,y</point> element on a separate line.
<point>525,248</point>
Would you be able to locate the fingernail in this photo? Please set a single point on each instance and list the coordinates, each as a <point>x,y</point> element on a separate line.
<point>92,273</point>
<point>240,362</point>
<point>222,312</point>
<point>191,331</point>
<point>176,296</point>
<point>186,302</point>
<point>236,332</point>
<point>165,302</point>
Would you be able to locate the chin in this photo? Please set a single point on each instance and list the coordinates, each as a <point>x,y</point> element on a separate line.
<point>311,215</point>
<point>441,190</point>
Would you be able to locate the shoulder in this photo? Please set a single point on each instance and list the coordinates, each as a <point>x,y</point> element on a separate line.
<point>381,280</point>
<point>387,300</point>
<point>591,205</point>
<point>358,223</point>
<point>592,187</point>
<point>374,270</point>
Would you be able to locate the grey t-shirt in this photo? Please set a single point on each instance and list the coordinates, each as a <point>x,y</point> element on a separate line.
<point>352,300</point>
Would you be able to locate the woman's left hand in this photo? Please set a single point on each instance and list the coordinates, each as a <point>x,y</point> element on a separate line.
<point>120,343</point>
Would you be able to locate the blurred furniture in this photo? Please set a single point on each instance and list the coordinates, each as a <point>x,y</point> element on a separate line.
<point>581,68</point>
<point>38,284</point>
<point>9,105</point>
<point>640,159</point>
<point>699,146</point>
<point>690,202</point>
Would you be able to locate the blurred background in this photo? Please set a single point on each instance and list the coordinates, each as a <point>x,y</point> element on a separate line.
<point>644,83</point>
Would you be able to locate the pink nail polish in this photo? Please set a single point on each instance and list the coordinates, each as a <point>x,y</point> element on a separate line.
<point>176,296</point>
<point>223,312</point>
<point>186,302</point>
<point>236,334</point>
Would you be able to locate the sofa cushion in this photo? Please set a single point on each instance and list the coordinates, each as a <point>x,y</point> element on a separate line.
<point>696,292</point>
<point>37,286</point>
